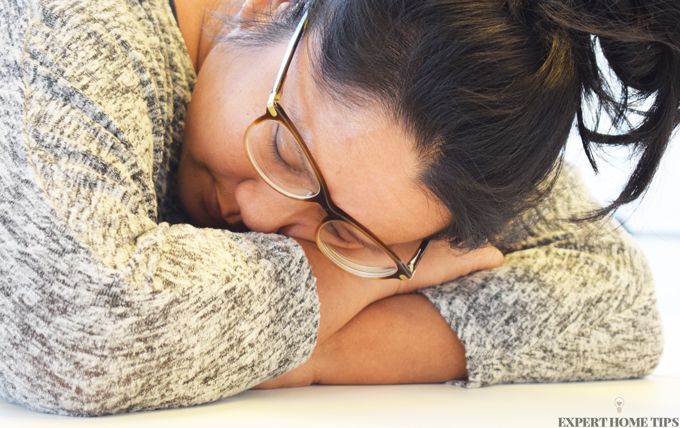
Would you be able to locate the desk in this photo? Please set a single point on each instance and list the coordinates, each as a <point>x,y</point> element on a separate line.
<point>530,405</point>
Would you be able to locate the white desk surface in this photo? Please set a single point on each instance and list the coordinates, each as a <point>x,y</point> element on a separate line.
<point>397,406</point>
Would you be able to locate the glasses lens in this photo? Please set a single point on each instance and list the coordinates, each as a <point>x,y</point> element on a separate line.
<point>354,251</point>
<point>278,157</point>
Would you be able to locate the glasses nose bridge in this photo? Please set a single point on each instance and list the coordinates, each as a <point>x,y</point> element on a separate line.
<point>323,200</point>
<point>304,204</point>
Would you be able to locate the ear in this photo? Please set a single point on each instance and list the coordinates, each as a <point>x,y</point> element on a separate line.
<point>252,8</point>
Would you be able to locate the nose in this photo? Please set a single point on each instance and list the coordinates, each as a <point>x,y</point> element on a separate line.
<point>263,209</point>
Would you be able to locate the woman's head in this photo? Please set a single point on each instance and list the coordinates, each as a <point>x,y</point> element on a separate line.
<point>365,157</point>
<point>428,117</point>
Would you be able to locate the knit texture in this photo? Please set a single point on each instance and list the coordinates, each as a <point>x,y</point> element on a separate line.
<point>572,301</point>
<point>104,305</point>
<point>110,302</point>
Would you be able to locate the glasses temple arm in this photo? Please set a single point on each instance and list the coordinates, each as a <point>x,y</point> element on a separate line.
<point>275,95</point>
<point>418,256</point>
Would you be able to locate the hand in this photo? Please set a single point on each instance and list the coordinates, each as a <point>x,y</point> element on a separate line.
<point>441,264</point>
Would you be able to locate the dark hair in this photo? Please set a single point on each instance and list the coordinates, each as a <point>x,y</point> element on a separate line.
<point>489,89</point>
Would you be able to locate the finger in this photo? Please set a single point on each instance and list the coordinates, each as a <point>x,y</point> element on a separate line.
<point>445,264</point>
<point>482,258</point>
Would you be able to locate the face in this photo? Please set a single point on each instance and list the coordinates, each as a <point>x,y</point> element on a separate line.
<point>366,159</point>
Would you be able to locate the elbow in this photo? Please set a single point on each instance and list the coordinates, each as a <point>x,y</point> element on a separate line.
<point>640,316</point>
<point>38,383</point>
<point>79,400</point>
<point>632,322</point>
<point>635,349</point>
<point>642,345</point>
<point>59,364</point>
<point>617,333</point>
<point>70,385</point>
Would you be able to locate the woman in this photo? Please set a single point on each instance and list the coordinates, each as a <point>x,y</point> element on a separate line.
<point>108,307</point>
<point>399,118</point>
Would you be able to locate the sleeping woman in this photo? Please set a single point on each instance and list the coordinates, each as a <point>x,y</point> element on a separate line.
<point>199,198</point>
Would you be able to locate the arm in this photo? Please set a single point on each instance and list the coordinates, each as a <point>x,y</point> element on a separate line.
<point>441,264</point>
<point>103,308</point>
<point>401,339</point>
<point>578,307</point>
<point>344,295</point>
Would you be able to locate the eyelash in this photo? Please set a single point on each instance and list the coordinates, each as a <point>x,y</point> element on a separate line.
<point>275,149</point>
<point>336,234</point>
<point>370,247</point>
<point>277,154</point>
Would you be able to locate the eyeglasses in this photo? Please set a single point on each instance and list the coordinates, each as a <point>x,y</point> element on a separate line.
<point>283,160</point>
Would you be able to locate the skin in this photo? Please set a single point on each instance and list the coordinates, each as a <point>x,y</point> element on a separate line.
<point>371,169</point>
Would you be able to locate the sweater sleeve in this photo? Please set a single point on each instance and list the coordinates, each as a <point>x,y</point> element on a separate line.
<point>105,308</point>
<point>572,301</point>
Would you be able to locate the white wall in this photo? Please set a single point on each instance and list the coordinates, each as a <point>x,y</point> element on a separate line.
<point>658,212</point>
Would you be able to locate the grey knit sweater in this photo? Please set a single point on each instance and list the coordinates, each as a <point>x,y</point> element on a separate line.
<point>109,302</point>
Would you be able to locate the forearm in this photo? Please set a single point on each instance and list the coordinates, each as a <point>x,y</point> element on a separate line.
<point>342,295</point>
<point>401,339</point>
<point>384,327</point>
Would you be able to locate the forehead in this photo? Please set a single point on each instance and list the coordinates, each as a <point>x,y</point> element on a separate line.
<point>368,161</point>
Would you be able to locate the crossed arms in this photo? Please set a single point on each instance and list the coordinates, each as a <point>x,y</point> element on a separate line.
<point>400,339</point>
<point>395,336</point>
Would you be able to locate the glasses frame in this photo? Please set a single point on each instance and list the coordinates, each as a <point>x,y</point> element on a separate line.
<point>276,113</point>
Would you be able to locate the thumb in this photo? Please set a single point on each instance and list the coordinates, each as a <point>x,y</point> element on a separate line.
<point>483,258</point>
